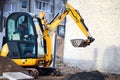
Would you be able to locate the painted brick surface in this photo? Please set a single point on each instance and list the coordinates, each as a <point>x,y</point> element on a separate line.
<point>102,17</point>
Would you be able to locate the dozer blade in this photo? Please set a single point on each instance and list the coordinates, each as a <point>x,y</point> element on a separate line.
<point>79,43</point>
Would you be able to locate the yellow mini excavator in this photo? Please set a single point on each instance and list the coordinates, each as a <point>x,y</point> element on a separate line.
<point>28,40</point>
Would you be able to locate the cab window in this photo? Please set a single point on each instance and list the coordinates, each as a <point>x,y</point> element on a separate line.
<point>21,30</point>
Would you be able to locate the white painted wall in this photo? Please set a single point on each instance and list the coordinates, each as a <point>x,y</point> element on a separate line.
<point>102,17</point>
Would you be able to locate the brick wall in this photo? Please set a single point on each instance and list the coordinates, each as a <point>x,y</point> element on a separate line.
<point>102,17</point>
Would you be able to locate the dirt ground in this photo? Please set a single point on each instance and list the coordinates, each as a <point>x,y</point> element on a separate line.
<point>7,65</point>
<point>68,73</point>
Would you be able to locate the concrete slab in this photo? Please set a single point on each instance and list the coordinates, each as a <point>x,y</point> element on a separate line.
<point>17,76</point>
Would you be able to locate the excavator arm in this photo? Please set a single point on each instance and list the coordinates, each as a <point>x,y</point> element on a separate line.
<point>51,27</point>
<point>75,15</point>
<point>77,19</point>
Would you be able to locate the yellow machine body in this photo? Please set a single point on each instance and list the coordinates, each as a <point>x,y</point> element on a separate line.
<point>47,35</point>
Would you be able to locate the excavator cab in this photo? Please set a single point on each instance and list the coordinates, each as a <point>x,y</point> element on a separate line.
<point>20,32</point>
<point>24,39</point>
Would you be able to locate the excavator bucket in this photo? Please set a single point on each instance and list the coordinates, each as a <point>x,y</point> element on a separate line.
<point>79,43</point>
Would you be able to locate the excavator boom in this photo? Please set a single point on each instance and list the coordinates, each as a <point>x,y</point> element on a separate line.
<point>75,15</point>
